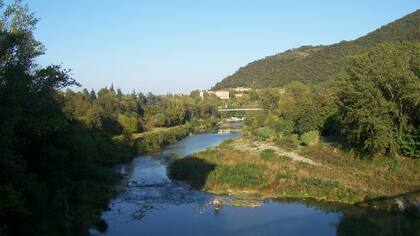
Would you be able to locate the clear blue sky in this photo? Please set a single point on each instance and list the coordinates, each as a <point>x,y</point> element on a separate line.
<point>181,45</point>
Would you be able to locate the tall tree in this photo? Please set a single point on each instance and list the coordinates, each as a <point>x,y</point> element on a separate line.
<point>380,104</point>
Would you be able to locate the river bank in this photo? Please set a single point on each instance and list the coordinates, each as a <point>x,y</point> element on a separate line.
<point>248,169</point>
<point>149,199</point>
<point>143,143</point>
<point>153,140</point>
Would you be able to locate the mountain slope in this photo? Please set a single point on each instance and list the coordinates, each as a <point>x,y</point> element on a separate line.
<point>314,64</point>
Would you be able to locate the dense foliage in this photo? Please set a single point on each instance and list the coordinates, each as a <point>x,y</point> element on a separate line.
<point>54,174</point>
<point>315,64</point>
<point>116,113</point>
<point>57,149</point>
<point>379,106</point>
<point>294,117</point>
<point>374,107</point>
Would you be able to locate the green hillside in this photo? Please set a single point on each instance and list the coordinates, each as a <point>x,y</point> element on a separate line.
<point>314,64</point>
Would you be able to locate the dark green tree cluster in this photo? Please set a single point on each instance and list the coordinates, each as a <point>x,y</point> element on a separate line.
<point>379,105</point>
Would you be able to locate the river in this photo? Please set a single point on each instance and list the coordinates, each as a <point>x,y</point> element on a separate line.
<point>151,204</point>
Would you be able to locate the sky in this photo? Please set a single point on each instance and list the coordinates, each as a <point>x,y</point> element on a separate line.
<point>176,46</point>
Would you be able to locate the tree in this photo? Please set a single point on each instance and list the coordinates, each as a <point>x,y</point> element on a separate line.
<point>53,170</point>
<point>269,99</point>
<point>379,105</point>
<point>92,95</point>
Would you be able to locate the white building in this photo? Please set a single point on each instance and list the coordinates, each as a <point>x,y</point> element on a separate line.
<point>222,94</point>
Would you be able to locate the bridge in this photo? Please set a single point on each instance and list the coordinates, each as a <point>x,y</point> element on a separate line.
<point>240,109</point>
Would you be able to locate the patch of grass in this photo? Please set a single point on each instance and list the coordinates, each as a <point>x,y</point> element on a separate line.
<point>321,183</point>
<point>210,153</point>
<point>226,143</point>
<point>271,156</point>
<point>242,175</point>
<point>288,142</point>
<point>341,176</point>
<point>268,154</point>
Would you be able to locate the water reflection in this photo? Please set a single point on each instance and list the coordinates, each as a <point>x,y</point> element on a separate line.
<point>371,223</point>
<point>151,204</point>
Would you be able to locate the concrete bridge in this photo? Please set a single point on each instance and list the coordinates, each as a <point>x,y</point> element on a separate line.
<point>240,109</point>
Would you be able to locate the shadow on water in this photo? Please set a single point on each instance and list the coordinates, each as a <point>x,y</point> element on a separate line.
<point>191,168</point>
<point>149,199</point>
<point>354,219</point>
<point>364,221</point>
<point>384,199</point>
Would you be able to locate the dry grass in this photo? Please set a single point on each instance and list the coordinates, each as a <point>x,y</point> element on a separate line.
<point>338,177</point>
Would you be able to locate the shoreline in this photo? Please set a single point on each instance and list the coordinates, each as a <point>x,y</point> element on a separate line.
<point>264,175</point>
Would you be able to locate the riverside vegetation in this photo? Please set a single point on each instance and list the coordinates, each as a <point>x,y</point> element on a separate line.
<point>355,139</point>
<point>250,172</point>
<point>58,147</point>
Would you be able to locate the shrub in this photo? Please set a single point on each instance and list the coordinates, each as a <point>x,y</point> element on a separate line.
<point>265,133</point>
<point>129,124</point>
<point>310,138</point>
<point>409,144</point>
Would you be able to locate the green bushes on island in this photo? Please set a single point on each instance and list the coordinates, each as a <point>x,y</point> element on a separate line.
<point>254,173</point>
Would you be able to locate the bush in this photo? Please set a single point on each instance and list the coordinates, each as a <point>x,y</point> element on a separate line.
<point>310,138</point>
<point>129,124</point>
<point>409,144</point>
<point>265,133</point>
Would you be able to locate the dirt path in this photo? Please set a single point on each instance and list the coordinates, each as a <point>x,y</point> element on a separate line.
<point>258,147</point>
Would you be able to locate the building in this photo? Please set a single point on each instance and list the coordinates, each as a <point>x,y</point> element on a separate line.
<point>241,89</point>
<point>222,94</point>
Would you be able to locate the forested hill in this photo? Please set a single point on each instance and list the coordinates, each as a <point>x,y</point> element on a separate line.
<point>314,64</point>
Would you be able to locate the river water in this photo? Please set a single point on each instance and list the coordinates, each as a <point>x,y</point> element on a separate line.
<point>151,204</point>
